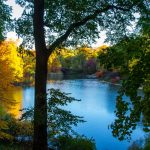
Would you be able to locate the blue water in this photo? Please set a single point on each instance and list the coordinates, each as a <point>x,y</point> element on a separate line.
<point>97,107</point>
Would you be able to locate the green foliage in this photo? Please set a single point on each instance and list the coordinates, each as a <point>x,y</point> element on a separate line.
<point>113,16</point>
<point>114,57</point>
<point>11,128</point>
<point>75,143</point>
<point>5,14</point>
<point>129,114</point>
<point>131,56</point>
<point>4,135</point>
<point>28,58</point>
<point>77,60</point>
<point>60,121</point>
<point>124,54</point>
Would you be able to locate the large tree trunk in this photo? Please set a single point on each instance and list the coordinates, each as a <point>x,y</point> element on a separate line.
<point>40,106</point>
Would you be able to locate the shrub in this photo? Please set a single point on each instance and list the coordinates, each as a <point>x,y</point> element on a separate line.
<point>68,142</point>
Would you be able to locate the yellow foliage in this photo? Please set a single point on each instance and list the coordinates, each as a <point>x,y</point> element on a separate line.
<point>11,71</point>
<point>73,58</point>
<point>91,52</point>
<point>100,50</point>
<point>11,65</point>
<point>5,136</point>
<point>15,94</point>
<point>53,61</point>
<point>132,63</point>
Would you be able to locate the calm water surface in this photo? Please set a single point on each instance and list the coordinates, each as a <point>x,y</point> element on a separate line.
<point>97,107</point>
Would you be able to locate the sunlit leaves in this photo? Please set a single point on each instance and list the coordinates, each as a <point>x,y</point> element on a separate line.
<point>28,58</point>
<point>10,64</point>
<point>11,67</point>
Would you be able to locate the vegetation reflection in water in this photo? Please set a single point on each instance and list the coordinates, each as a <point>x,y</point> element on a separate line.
<point>15,96</point>
<point>97,107</point>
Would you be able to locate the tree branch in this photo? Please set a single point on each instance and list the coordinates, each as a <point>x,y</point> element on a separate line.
<point>80,23</point>
<point>73,26</point>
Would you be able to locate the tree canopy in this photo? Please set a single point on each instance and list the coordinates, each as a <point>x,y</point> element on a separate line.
<point>5,18</point>
<point>137,110</point>
<point>76,22</point>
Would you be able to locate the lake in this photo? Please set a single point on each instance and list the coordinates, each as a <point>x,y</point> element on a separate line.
<point>97,106</point>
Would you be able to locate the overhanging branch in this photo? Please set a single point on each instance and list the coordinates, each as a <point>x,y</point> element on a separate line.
<point>75,25</point>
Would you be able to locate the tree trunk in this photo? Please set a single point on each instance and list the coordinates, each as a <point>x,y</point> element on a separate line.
<point>40,104</point>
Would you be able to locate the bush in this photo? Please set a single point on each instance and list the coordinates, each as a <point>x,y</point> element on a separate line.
<point>68,142</point>
<point>12,128</point>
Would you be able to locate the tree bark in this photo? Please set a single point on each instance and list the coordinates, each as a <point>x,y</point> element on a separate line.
<point>40,104</point>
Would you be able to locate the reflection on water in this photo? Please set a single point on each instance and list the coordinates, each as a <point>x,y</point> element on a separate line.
<point>97,108</point>
<point>28,97</point>
<point>14,99</point>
